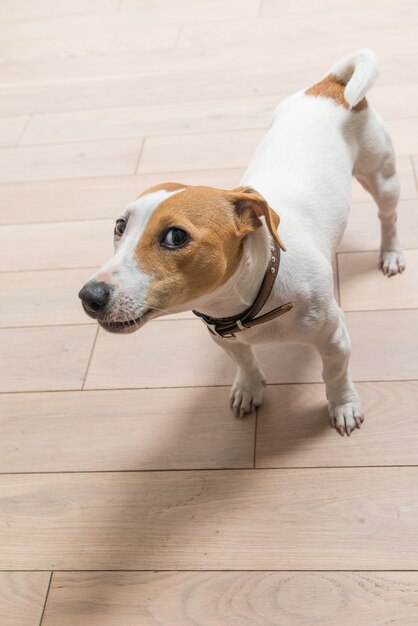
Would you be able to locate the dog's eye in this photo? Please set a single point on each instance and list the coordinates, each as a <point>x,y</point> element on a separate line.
<point>174,238</point>
<point>120,227</point>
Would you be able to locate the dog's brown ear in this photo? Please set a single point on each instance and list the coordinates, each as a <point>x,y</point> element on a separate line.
<point>250,206</point>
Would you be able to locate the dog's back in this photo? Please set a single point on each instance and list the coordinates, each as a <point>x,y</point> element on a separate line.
<point>318,138</point>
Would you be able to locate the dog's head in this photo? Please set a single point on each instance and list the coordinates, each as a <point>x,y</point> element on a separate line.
<point>173,245</point>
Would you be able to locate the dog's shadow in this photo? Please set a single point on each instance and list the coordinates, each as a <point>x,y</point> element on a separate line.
<point>171,520</point>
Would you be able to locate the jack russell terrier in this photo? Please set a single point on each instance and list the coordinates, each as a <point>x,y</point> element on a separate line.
<point>217,252</point>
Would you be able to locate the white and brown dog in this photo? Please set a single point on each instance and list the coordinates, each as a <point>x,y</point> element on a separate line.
<point>180,247</point>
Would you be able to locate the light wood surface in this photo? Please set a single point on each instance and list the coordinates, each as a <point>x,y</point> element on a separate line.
<point>346,518</point>
<point>233,598</point>
<point>120,454</point>
<point>361,287</point>
<point>123,430</point>
<point>293,429</point>
<point>33,359</point>
<point>22,597</point>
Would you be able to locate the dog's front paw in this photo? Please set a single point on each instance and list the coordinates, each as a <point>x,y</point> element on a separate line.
<point>346,417</point>
<point>392,262</point>
<point>247,392</point>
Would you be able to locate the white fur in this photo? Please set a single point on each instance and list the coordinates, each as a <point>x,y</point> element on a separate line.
<point>303,167</point>
<point>121,273</point>
<point>358,71</point>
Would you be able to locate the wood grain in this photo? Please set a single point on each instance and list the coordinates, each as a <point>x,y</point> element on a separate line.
<point>103,158</point>
<point>199,151</point>
<point>11,129</point>
<point>385,344</point>
<point>85,244</point>
<point>233,598</point>
<point>25,9</point>
<point>364,287</point>
<point>284,7</point>
<point>191,11</point>
<point>278,32</point>
<point>363,228</point>
<point>148,120</point>
<point>293,428</point>
<point>123,430</point>
<point>93,198</point>
<point>241,519</point>
<point>35,359</point>
<point>22,597</point>
<point>197,361</point>
<point>188,350</point>
<point>42,298</point>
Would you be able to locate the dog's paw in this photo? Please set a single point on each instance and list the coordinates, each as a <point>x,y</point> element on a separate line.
<point>392,262</point>
<point>346,417</point>
<point>247,393</point>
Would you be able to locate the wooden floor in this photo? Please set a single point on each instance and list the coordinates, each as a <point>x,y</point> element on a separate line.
<point>129,495</point>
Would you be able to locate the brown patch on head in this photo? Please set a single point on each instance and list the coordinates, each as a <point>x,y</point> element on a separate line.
<point>165,187</point>
<point>331,87</point>
<point>217,222</point>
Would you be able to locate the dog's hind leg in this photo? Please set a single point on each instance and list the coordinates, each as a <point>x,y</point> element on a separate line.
<point>375,169</point>
<point>247,390</point>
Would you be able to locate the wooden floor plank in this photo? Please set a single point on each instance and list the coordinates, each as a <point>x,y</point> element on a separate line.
<point>199,151</point>
<point>100,158</point>
<point>385,344</point>
<point>11,129</point>
<point>242,519</point>
<point>364,287</point>
<point>223,149</point>
<point>56,245</point>
<point>278,31</point>
<point>145,88</point>
<point>396,47</point>
<point>191,11</point>
<point>135,361</point>
<point>22,597</point>
<point>233,598</point>
<point>123,430</point>
<point>363,228</point>
<point>293,428</point>
<point>42,298</point>
<point>148,120</point>
<point>285,7</point>
<point>35,359</point>
<point>71,37</point>
<point>26,10</point>
<point>93,198</point>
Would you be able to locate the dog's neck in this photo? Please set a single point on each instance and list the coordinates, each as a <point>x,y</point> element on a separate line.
<point>240,291</point>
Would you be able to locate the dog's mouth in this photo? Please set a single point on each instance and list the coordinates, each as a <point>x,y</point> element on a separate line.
<point>124,327</point>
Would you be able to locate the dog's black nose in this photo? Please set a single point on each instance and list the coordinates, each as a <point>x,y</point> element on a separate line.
<point>94,297</point>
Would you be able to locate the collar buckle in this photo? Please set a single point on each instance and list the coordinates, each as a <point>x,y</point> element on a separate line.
<point>213,330</point>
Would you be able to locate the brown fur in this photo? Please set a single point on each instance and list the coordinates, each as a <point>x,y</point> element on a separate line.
<point>165,186</point>
<point>217,221</point>
<point>331,87</point>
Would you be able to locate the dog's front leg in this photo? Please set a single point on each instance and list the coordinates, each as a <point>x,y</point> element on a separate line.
<point>247,390</point>
<point>334,345</point>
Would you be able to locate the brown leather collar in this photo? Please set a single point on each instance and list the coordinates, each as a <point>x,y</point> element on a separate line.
<point>227,327</point>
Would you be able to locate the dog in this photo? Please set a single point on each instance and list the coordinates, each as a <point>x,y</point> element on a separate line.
<point>217,252</point>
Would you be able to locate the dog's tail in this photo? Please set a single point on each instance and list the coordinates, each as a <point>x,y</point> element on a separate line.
<point>357,71</point>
